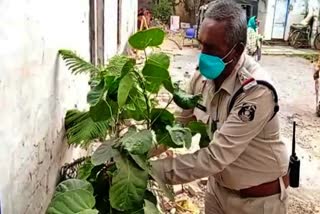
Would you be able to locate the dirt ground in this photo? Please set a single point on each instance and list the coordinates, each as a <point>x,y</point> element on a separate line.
<point>292,77</point>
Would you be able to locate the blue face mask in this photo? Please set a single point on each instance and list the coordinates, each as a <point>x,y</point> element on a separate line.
<point>211,66</point>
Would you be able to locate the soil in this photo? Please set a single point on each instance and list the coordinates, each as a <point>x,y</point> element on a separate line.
<point>293,80</point>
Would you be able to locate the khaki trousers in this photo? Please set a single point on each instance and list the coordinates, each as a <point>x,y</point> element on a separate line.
<point>220,200</point>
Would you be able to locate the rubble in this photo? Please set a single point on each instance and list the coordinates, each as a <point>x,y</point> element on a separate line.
<point>177,189</point>
<point>188,198</point>
<point>194,189</point>
<point>203,181</point>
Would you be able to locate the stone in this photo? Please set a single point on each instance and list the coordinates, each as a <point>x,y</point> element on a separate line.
<point>203,181</point>
<point>177,189</point>
<point>194,189</point>
<point>173,211</point>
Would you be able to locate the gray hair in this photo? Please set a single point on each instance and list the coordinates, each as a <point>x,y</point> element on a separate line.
<point>234,16</point>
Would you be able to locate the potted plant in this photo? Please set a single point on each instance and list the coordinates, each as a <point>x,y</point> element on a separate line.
<point>125,118</point>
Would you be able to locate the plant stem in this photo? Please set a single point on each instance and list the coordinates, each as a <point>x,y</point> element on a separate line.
<point>145,95</point>
<point>144,91</point>
<point>162,139</point>
<point>117,125</point>
<point>145,54</point>
<point>77,162</point>
<point>162,111</point>
<point>148,106</point>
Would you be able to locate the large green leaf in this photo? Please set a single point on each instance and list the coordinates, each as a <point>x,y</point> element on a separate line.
<point>104,110</point>
<point>198,127</point>
<point>125,87</point>
<point>164,138</point>
<point>73,184</point>
<point>128,66</point>
<point>154,76</point>
<point>148,38</point>
<point>72,202</point>
<point>132,111</point>
<point>97,92</point>
<point>104,153</point>
<point>161,118</point>
<point>85,170</point>
<point>117,65</point>
<point>128,185</point>
<point>186,101</point>
<point>101,111</point>
<point>150,208</point>
<point>180,136</point>
<point>138,143</point>
<point>161,60</point>
<point>81,129</point>
<point>76,64</point>
<point>140,160</point>
<point>136,106</point>
<point>168,85</point>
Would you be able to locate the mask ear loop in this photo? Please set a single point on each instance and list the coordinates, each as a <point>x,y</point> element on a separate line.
<point>227,63</point>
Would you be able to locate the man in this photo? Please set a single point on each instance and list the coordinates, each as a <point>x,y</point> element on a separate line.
<point>316,74</point>
<point>246,162</point>
<point>142,19</point>
<point>253,38</point>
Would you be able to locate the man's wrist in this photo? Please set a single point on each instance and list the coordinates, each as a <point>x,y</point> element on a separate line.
<point>157,171</point>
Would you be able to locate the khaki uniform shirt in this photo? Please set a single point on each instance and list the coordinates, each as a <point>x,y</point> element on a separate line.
<point>246,150</point>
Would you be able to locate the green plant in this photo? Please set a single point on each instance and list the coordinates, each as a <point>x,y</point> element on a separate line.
<point>116,178</point>
<point>162,10</point>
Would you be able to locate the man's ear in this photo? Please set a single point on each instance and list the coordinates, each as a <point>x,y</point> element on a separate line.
<point>239,49</point>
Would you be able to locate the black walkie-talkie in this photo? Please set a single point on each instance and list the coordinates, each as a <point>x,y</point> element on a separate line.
<point>294,166</point>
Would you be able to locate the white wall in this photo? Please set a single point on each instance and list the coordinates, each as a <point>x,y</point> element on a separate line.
<point>269,19</point>
<point>314,8</point>
<point>128,23</point>
<point>35,91</point>
<point>297,11</point>
<point>262,13</point>
<point>128,18</point>
<point>111,28</point>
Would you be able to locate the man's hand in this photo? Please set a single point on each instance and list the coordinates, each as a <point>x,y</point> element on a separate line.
<point>158,150</point>
<point>185,117</point>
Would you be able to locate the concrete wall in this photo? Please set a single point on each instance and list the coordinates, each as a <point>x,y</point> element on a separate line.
<point>297,12</point>
<point>111,28</point>
<point>262,14</point>
<point>128,20</point>
<point>125,21</point>
<point>36,90</point>
<point>145,3</point>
